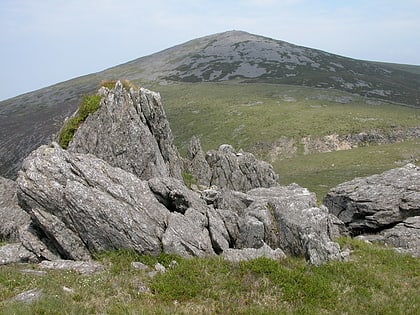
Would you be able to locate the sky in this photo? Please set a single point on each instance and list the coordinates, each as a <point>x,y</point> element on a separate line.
<point>44,42</point>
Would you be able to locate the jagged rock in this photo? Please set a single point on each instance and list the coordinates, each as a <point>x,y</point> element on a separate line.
<point>82,205</point>
<point>175,196</point>
<point>404,237</point>
<point>226,168</point>
<point>12,217</point>
<point>35,240</point>
<point>82,267</point>
<point>187,235</point>
<point>237,255</point>
<point>130,130</point>
<point>197,164</point>
<point>374,203</point>
<point>285,218</point>
<point>15,253</point>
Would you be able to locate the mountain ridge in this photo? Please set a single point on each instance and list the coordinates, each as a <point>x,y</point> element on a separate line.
<point>29,120</point>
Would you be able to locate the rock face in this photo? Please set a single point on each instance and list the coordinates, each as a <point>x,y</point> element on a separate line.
<point>81,204</point>
<point>376,202</point>
<point>384,207</point>
<point>12,217</point>
<point>226,168</point>
<point>130,131</point>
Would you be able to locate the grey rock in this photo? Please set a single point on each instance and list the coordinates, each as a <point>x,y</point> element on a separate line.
<point>12,217</point>
<point>285,218</point>
<point>219,234</point>
<point>237,255</point>
<point>374,203</point>
<point>130,130</point>
<point>187,235</point>
<point>82,267</point>
<point>175,196</point>
<point>226,168</point>
<point>95,206</point>
<point>196,163</point>
<point>28,296</point>
<point>15,253</point>
<point>160,268</point>
<point>404,237</point>
<point>139,265</point>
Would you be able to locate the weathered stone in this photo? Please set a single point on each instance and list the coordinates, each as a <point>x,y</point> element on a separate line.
<point>82,267</point>
<point>404,237</point>
<point>98,207</point>
<point>139,265</point>
<point>130,130</point>
<point>15,253</point>
<point>175,196</point>
<point>28,296</point>
<point>197,164</point>
<point>237,255</point>
<point>285,218</point>
<point>226,168</point>
<point>12,217</point>
<point>377,202</point>
<point>187,235</point>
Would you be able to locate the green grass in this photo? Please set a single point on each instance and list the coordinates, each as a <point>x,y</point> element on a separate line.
<point>88,105</point>
<point>321,171</point>
<point>374,281</point>
<point>246,114</point>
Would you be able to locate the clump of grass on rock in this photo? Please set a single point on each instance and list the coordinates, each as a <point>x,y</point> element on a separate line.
<point>88,105</point>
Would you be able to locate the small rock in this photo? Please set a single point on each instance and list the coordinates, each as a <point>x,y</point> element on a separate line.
<point>139,265</point>
<point>160,268</point>
<point>28,296</point>
<point>82,267</point>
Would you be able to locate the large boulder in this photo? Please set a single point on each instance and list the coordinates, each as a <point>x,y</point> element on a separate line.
<point>377,202</point>
<point>226,168</point>
<point>80,204</point>
<point>130,130</point>
<point>12,217</point>
<point>404,237</point>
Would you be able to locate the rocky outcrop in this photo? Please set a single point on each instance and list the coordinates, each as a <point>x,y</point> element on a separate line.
<point>376,202</point>
<point>281,217</point>
<point>128,195</point>
<point>385,207</point>
<point>12,217</point>
<point>130,131</point>
<point>226,168</point>
<point>79,205</point>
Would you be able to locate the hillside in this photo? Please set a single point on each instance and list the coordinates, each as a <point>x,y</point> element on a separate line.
<point>28,120</point>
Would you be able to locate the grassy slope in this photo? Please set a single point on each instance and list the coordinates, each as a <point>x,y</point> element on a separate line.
<point>373,281</point>
<point>246,115</point>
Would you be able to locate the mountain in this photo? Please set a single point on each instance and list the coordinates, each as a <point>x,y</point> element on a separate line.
<point>29,120</point>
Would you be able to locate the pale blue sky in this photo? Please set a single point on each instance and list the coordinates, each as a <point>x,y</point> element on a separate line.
<point>44,42</point>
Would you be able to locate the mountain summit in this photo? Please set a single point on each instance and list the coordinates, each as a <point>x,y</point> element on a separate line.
<point>252,58</point>
<point>29,120</point>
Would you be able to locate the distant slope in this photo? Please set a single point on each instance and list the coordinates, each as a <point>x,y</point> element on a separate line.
<point>29,120</point>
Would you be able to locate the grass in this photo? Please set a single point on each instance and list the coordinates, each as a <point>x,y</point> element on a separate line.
<point>375,280</point>
<point>88,105</point>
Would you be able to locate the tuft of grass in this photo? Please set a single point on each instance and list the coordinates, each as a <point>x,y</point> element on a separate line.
<point>188,179</point>
<point>88,105</point>
<point>110,84</point>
